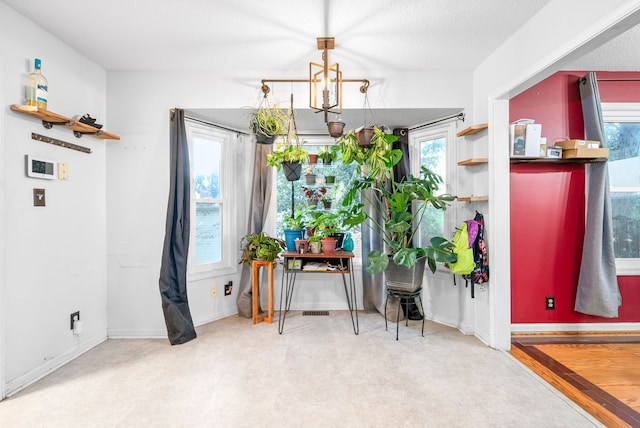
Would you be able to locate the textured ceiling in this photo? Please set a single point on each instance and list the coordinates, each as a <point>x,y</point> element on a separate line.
<point>277,38</point>
<point>277,35</point>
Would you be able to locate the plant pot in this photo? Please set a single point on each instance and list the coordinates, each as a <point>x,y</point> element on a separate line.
<point>292,170</point>
<point>315,247</point>
<point>328,245</point>
<point>335,129</point>
<point>326,162</point>
<point>330,179</point>
<point>311,178</point>
<point>313,159</point>
<point>364,137</point>
<point>327,205</point>
<point>313,203</point>
<point>290,237</point>
<point>264,139</point>
<point>347,242</point>
<point>301,245</point>
<point>401,278</point>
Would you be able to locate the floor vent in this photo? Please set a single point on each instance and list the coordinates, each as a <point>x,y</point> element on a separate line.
<point>315,313</point>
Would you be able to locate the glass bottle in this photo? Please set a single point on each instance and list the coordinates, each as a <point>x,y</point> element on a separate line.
<point>36,88</point>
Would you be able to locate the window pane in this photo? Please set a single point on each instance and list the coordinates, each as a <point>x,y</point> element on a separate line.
<point>208,235</point>
<point>623,141</point>
<point>206,190</point>
<point>433,156</point>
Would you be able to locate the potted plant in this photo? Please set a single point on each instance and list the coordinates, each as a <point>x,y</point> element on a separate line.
<point>268,122</point>
<point>336,128</point>
<point>328,154</point>
<point>294,228</point>
<point>291,155</point>
<point>402,206</point>
<point>377,160</point>
<point>260,246</point>
<point>324,225</point>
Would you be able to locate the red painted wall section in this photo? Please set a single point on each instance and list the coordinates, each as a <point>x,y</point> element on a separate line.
<point>547,207</point>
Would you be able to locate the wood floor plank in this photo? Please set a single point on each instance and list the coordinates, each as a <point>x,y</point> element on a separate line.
<point>600,373</point>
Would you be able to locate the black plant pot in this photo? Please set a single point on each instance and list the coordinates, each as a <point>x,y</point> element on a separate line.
<point>263,139</point>
<point>292,170</point>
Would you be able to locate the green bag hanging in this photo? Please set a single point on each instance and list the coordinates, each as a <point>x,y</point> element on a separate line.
<point>460,240</point>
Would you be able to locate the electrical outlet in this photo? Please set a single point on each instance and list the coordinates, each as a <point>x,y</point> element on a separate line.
<point>214,293</point>
<point>73,317</point>
<point>550,302</point>
<point>228,287</point>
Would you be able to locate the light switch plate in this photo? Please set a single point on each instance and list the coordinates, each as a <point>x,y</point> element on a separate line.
<point>63,171</point>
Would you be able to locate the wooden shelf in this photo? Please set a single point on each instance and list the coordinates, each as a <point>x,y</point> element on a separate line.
<point>50,118</point>
<point>473,199</point>
<point>547,160</point>
<point>473,161</point>
<point>473,129</point>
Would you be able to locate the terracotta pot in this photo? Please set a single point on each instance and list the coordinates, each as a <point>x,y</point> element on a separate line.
<point>313,159</point>
<point>329,245</point>
<point>301,245</point>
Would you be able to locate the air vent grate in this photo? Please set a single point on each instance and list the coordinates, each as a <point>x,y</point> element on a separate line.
<point>315,313</point>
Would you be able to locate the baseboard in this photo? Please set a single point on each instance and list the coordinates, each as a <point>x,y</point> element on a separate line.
<point>578,327</point>
<point>21,382</point>
<point>143,333</point>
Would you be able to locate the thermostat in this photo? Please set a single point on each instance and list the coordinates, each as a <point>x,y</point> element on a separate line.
<point>40,168</point>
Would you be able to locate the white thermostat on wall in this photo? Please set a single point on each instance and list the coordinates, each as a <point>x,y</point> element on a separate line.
<point>41,168</point>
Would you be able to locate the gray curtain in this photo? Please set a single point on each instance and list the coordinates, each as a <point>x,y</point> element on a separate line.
<point>373,286</point>
<point>258,212</point>
<point>173,270</point>
<point>598,292</point>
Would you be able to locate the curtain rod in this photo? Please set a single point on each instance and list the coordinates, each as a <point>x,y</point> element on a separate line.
<point>459,116</point>
<point>215,125</point>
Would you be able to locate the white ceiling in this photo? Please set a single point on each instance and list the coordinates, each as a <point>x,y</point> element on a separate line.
<point>277,38</point>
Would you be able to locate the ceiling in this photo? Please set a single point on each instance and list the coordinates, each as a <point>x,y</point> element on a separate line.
<point>277,39</point>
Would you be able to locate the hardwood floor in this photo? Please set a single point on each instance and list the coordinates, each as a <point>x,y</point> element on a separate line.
<point>599,372</point>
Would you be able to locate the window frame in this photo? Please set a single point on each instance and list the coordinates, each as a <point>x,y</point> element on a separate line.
<point>446,130</point>
<point>623,112</point>
<point>229,235</point>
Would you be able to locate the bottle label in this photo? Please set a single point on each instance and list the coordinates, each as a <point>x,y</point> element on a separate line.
<point>41,94</point>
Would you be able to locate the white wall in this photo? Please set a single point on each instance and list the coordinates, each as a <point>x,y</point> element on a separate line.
<point>54,257</point>
<point>137,182</point>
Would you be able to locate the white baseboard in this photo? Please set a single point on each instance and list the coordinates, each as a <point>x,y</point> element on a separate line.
<point>549,328</point>
<point>18,384</point>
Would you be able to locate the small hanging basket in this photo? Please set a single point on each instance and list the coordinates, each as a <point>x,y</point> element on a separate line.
<point>335,129</point>
<point>292,170</point>
<point>364,137</point>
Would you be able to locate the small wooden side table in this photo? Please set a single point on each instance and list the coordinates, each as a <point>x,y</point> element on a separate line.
<point>255,291</point>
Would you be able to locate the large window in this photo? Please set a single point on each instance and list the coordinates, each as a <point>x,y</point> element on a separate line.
<point>313,196</point>
<point>429,147</point>
<point>622,133</point>
<point>212,238</point>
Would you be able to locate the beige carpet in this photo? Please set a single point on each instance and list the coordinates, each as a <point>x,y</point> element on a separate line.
<point>316,374</point>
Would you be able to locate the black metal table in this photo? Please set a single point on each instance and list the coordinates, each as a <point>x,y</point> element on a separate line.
<point>294,264</point>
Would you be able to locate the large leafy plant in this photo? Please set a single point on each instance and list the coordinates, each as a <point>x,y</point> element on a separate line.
<point>260,246</point>
<point>402,206</point>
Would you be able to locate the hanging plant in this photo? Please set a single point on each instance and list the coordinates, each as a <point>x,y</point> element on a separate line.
<point>268,122</point>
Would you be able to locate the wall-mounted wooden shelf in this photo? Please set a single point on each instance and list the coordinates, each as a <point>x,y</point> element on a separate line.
<point>473,129</point>
<point>473,161</point>
<point>548,160</point>
<point>50,118</point>
<point>473,199</point>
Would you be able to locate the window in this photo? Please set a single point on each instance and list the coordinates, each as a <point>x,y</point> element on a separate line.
<point>315,194</point>
<point>622,134</point>
<point>212,226</point>
<point>429,147</point>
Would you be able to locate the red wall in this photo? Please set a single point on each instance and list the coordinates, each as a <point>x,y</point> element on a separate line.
<point>547,207</point>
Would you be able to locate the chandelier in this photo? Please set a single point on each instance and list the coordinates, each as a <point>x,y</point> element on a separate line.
<point>325,82</point>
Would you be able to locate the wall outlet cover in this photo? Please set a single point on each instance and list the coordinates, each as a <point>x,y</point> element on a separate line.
<point>39,198</point>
